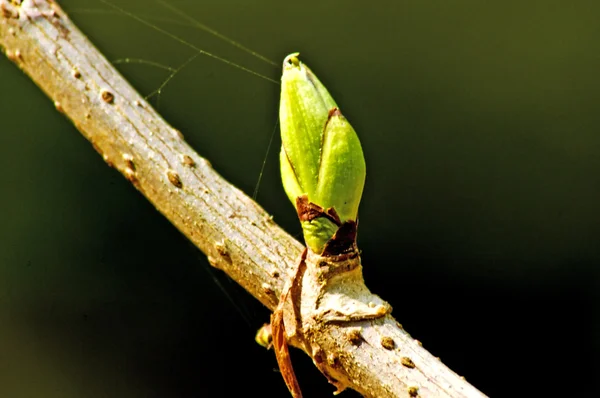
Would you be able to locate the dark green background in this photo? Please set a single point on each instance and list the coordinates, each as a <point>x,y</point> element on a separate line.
<point>479,224</point>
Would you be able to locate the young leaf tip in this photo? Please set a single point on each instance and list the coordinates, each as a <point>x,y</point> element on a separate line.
<point>291,60</point>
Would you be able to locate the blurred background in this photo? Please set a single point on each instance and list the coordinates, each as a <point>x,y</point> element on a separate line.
<point>479,223</point>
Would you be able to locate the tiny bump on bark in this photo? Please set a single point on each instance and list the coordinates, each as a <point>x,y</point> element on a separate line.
<point>9,12</point>
<point>354,336</point>
<point>413,391</point>
<point>174,178</point>
<point>407,362</point>
<point>318,356</point>
<point>129,165</point>
<point>267,289</point>
<point>333,360</point>
<point>107,160</point>
<point>107,96</point>
<point>388,343</point>
<point>223,252</point>
<point>178,134</point>
<point>130,175</point>
<point>188,161</point>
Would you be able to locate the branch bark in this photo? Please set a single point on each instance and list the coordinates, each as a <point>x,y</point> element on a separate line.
<point>377,357</point>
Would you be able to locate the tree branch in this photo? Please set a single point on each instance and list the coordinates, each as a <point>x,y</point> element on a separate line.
<point>377,358</point>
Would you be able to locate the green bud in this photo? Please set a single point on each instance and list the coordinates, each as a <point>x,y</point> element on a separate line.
<point>321,156</point>
<point>264,336</point>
